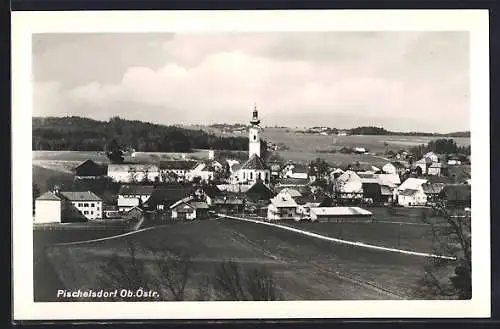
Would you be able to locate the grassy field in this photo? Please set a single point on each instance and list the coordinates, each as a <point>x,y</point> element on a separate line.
<point>41,175</point>
<point>305,268</point>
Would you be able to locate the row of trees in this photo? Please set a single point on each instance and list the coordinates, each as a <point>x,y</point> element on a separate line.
<point>81,134</point>
<point>439,146</point>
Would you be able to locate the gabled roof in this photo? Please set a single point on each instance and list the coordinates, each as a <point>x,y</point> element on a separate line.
<point>408,192</point>
<point>49,196</point>
<point>261,190</point>
<point>254,163</point>
<point>178,164</point>
<point>80,196</point>
<point>168,194</point>
<point>292,192</point>
<point>212,190</point>
<point>348,176</point>
<point>385,190</point>
<point>283,202</point>
<point>433,188</point>
<point>389,179</point>
<point>293,181</point>
<point>412,183</point>
<point>136,189</point>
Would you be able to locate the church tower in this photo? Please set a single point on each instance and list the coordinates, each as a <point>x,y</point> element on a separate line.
<point>254,138</point>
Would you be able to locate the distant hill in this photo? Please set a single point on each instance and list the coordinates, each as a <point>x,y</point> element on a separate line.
<point>368,130</point>
<point>84,134</point>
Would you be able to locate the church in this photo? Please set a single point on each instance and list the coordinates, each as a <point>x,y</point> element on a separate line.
<point>254,169</point>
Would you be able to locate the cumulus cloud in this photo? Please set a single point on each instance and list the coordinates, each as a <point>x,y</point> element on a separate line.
<point>396,80</point>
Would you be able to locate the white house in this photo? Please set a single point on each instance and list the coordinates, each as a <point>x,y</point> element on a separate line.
<point>48,208</point>
<point>411,192</point>
<point>86,203</point>
<point>349,186</point>
<point>133,172</point>
<point>131,196</point>
<point>395,167</point>
<point>411,197</point>
<point>391,180</point>
<point>180,168</point>
<point>202,171</point>
<point>422,164</point>
<point>289,193</point>
<point>297,171</point>
<point>432,156</point>
<point>436,169</point>
<point>282,207</point>
<point>188,209</point>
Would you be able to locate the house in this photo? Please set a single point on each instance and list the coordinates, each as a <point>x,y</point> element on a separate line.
<point>299,184</point>
<point>252,170</point>
<point>179,168</point>
<point>259,192</point>
<point>110,211</point>
<point>362,167</point>
<point>89,169</point>
<point>348,186</point>
<point>133,172</point>
<point>134,213</point>
<point>228,203</point>
<point>201,170</point>
<point>76,204</point>
<point>210,193</point>
<point>48,208</point>
<point>335,173</point>
<point>433,191</point>
<point>282,207</point>
<point>431,157</point>
<point>422,164</point>
<point>411,193</point>
<point>394,167</point>
<point>437,169</point>
<point>390,180</point>
<point>189,209</point>
<point>386,194</point>
<point>290,192</point>
<point>163,197</point>
<point>297,171</point>
<point>336,214</point>
<point>457,195</point>
<point>275,170</point>
<point>130,196</point>
<point>359,150</point>
<point>372,192</point>
<point>412,197</point>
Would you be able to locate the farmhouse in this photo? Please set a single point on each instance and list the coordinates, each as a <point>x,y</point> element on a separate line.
<point>282,207</point>
<point>76,204</point>
<point>289,192</point>
<point>297,171</point>
<point>390,180</point>
<point>349,186</point>
<point>134,213</point>
<point>163,197</point>
<point>48,208</point>
<point>210,193</point>
<point>394,167</point>
<point>89,169</point>
<point>411,193</point>
<point>131,196</point>
<point>422,164</point>
<point>189,209</point>
<point>437,169</point>
<point>336,214</point>
<point>431,156</point>
<point>202,171</point>
<point>177,168</point>
<point>133,172</point>
<point>259,192</point>
<point>228,202</point>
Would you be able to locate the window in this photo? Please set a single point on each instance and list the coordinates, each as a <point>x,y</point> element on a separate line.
<point>254,137</point>
<point>91,212</point>
<point>85,212</point>
<point>92,205</point>
<point>85,205</point>
<point>251,175</point>
<point>80,205</point>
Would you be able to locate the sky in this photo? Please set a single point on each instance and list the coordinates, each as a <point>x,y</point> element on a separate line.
<point>402,81</point>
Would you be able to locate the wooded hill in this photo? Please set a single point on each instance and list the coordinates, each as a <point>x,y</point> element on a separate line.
<point>84,134</point>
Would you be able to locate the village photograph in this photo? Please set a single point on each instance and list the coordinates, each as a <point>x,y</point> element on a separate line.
<point>251,166</point>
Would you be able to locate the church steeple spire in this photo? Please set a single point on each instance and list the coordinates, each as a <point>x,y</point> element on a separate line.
<point>255,116</point>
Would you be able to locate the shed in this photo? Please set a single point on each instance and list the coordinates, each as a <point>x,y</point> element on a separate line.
<point>336,214</point>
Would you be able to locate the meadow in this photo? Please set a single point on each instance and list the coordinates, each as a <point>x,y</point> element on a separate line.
<point>305,268</point>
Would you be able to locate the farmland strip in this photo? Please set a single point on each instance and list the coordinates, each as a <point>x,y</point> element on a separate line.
<point>357,244</point>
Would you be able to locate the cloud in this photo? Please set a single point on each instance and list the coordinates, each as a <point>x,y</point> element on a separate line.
<point>205,78</point>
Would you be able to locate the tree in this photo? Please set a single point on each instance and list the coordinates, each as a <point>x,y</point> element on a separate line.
<point>318,167</point>
<point>114,152</point>
<point>452,238</point>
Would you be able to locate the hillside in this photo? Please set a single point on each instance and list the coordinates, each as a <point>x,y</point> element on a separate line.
<point>83,134</point>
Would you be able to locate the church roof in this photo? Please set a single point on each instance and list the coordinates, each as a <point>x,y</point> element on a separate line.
<point>254,163</point>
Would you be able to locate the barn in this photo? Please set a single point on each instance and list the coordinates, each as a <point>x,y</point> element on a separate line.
<point>338,214</point>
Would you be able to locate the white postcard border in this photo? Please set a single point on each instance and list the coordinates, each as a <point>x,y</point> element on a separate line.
<point>24,24</point>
